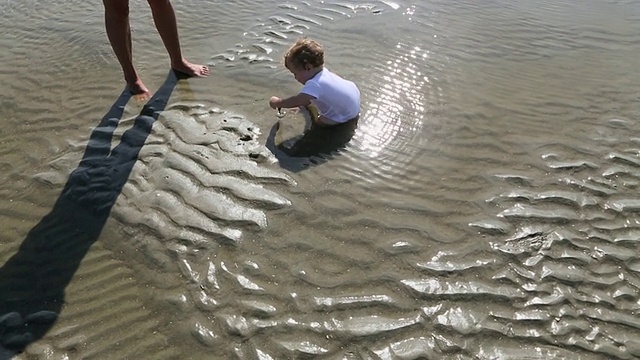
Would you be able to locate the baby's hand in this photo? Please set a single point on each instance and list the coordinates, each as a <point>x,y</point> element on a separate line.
<point>273,101</point>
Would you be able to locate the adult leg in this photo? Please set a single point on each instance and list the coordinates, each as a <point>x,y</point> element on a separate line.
<point>164,18</point>
<point>116,19</point>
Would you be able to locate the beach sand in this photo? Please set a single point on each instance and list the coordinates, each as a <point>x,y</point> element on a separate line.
<point>483,206</point>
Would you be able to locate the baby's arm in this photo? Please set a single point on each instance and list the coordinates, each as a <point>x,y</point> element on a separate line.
<point>290,102</point>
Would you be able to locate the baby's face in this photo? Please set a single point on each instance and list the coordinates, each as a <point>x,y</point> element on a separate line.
<point>301,74</point>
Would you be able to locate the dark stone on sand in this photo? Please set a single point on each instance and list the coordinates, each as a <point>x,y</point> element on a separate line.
<point>6,353</point>
<point>42,317</point>
<point>17,341</point>
<point>9,320</point>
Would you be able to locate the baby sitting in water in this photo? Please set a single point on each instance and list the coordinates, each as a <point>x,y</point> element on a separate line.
<point>337,100</point>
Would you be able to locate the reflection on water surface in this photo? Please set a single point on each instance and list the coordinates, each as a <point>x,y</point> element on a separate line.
<point>484,208</point>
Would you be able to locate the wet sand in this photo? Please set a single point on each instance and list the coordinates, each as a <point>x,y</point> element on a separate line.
<point>485,205</point>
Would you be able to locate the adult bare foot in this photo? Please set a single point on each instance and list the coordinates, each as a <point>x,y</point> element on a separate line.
<point>190,69</point>
<point>139,90</point>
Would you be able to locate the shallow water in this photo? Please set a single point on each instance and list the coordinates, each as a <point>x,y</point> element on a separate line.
<point>485,207</point>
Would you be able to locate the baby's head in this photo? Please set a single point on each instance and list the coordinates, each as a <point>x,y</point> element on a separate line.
<point>304,54</point>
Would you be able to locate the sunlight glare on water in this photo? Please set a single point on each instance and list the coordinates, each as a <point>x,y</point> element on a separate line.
<point>398,108</point>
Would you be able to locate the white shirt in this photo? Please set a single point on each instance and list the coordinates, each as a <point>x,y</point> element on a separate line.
<point>336,98</point>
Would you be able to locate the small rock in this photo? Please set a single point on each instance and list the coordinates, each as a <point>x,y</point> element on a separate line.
<point>42,317</point>
<point>17,341</point>
<point>11,319</point>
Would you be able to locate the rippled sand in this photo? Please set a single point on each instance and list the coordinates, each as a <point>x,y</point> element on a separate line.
<point>484,206</point>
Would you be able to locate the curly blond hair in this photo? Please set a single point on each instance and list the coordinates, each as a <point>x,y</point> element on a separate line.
<point>303,53</point>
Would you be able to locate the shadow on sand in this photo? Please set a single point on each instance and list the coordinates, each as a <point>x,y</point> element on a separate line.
<point>33,281</point>
<point>316,145</point>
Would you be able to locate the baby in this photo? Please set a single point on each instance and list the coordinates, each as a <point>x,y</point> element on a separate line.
<point>337,100</point>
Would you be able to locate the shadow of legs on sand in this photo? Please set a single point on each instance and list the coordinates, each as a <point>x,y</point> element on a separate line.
<point>33,281</point>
